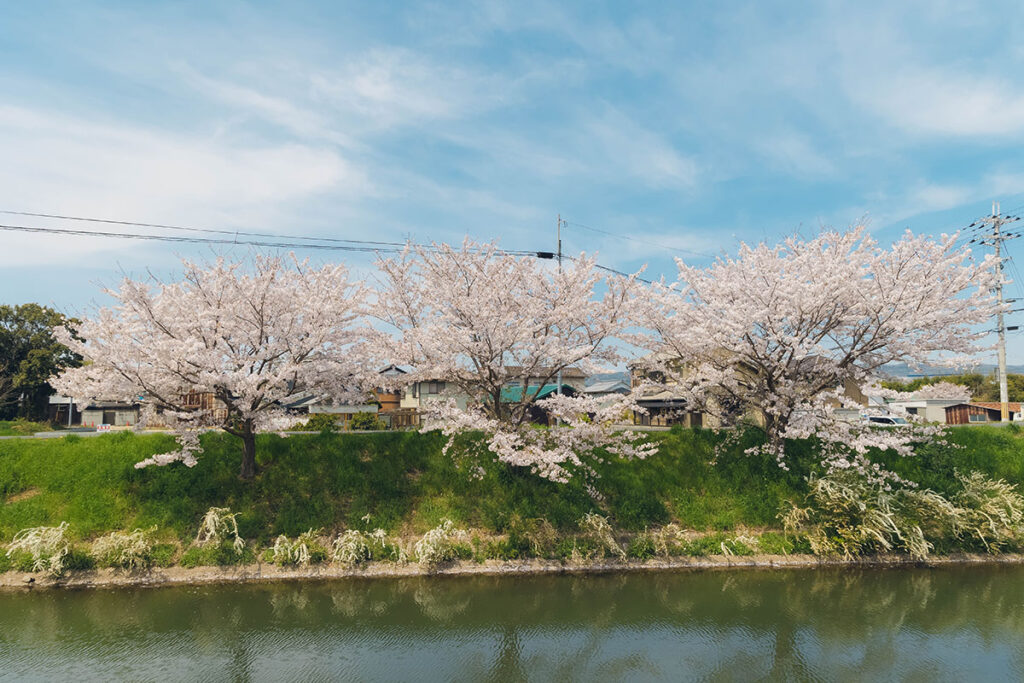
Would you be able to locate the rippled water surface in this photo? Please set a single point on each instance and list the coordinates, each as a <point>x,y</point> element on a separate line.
<point>910,624</point>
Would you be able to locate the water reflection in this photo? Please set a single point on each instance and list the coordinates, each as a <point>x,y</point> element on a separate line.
<point>806,624</point>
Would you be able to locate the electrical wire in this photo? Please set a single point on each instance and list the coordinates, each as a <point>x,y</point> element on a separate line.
<point>204,230</point>
<point>243,242</point>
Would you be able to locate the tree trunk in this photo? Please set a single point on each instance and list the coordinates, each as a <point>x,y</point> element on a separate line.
<point>248,470</point>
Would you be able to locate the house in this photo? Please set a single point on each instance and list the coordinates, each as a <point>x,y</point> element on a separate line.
<point>930,409</point>
<point>666,405</point>
<point>663,407</point>
<point>607,387</point>
<point>978,412</point>
<point>514,394</point>
<point>93,413</point>
<point>417,395</point>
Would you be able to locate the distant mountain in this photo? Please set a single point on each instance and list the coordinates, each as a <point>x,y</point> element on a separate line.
<point>902,370</point>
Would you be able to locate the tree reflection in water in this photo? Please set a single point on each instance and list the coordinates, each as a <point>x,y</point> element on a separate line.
<point>782,624</point>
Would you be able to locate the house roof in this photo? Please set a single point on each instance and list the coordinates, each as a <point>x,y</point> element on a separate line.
<point>606,386</point>
<point>515,394</point>
<point>995,405</point>
<point>570,372</point>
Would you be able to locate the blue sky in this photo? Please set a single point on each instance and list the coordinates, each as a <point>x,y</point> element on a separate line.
<point>683,129</point>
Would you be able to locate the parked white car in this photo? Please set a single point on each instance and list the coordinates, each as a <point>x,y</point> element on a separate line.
<point>886,421</point>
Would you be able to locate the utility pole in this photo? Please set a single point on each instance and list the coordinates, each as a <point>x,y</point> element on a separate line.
<point>558,232</point>
<point>996,239</point>
<point>1004,393</point>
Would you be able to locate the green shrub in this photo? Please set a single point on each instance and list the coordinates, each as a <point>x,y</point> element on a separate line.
<point>774,543</point>
<point>443,543</point>
<point>535,537</point>
<point>596,529</point>
<point>318,422</point>
<point>642,547</point>
<point>125,550</point>
<point>163,554</point>
<point>710,544</point>
<point>79,559</point>
<point>366,422</point>
<point>305,550</point>
<point>46,547</point>
<point>215,556</point>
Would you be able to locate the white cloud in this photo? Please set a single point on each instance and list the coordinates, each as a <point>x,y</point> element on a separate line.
<point>389,87</point>
<point>940,100</point>
<point>623,147</point>
<point>794,153</point>
<point>70,165</point>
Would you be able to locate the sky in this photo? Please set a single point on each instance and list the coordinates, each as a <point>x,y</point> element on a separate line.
<point>657,130</point>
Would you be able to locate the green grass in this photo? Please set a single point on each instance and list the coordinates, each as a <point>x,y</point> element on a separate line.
<point>22,427</point>
<point>406,485</point>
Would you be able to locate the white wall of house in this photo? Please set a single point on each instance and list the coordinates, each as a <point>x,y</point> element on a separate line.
<point>418,394</point>
<point>931,409</point>
<point>123,417</point>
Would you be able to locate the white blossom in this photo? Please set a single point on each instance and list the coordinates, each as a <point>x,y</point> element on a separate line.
<point>249,335</point>
<point>483,321</point>
<point>783,331</point>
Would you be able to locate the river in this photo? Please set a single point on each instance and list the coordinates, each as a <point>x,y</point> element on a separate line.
<point>950,623</point>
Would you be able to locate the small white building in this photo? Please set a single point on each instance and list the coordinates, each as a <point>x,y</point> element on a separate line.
<point>929,409</point>
<point>93,413</point>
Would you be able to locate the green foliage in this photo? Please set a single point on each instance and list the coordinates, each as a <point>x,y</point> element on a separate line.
<point>305,550</point>
<point>318,422</point>
<point>849,515</point>
<point>982,387</point>
<point>23,427</point>
<point>710,544</point>
<point>366,422</point>
<point>221,555</point>
<point>29,356</point>
<point>642,547</point>
<point>407,485</point>
<point>78,559</point>
<point>163,554</point>
<point>125,550</point>
<point>774,543</point>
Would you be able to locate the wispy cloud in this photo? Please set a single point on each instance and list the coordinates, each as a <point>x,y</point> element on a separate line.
<point>67,164</point>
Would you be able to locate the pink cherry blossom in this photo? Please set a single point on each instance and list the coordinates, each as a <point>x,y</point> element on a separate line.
<point>249,334</point>
<point>778,332</point>
<point>483,321</point>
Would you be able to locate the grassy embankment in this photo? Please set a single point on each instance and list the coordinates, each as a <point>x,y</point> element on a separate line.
<point>407,486</point>
<point>22,427</point>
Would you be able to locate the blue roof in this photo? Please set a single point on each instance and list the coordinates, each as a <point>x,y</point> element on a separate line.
<point>515,394</point>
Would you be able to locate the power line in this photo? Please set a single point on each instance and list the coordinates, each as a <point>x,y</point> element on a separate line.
<point>638,240</point>
<point>218,241</point>
<point>191,240</point>
<point>335,244</point>
<point>191,229</point>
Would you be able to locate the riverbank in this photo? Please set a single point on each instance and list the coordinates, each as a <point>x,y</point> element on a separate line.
<point>266,572</point>
<point>406,485</point>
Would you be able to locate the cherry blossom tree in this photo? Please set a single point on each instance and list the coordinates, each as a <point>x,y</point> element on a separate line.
<point>789,332</point>
<point>496,328</point>
<point>943,390</point>
<point>246,334</point>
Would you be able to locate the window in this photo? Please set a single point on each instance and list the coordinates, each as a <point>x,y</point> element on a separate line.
<point>433,387</point>
<point>978,417</point>
<point>912,411</point>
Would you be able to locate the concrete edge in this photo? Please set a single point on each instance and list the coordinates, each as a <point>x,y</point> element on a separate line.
<point>173,576</point>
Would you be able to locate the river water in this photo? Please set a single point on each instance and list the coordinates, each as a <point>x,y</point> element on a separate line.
<point>959,623</point>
